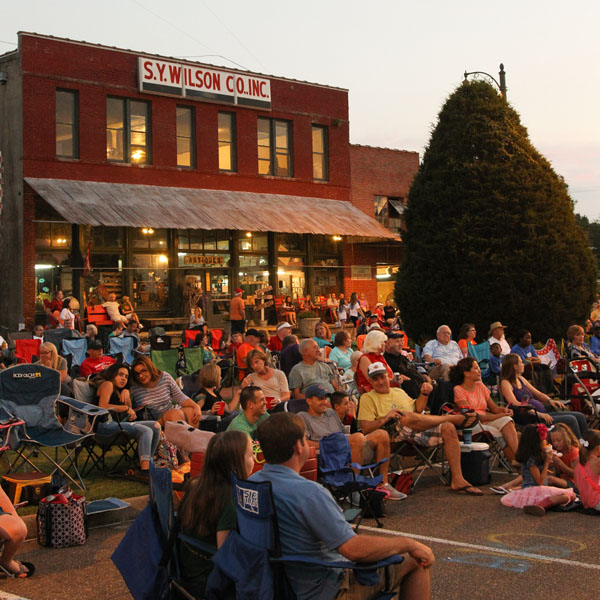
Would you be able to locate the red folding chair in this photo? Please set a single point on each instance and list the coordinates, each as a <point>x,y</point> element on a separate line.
<point>217,336</point>
<point>26,350</point>
<point>189,335</point>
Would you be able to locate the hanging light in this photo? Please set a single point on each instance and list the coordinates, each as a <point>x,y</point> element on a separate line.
<point>337,238</point>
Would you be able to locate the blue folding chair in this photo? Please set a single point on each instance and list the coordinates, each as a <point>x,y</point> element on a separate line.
<point>259,532</point>
<point>29,393</point>
<point>76,348</point>
<point>338,473</point>
<point>123,346</point>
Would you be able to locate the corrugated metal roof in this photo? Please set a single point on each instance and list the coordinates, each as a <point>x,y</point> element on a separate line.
<point>131,205</point>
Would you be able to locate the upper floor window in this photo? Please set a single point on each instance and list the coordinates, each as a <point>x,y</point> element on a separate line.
<point>274,148</point>
<point>227,146</point>
<point>67,126</point>
<point>128,131</point>
<point>186,150</point>
<point>320,153</point>
<point>389,212</point>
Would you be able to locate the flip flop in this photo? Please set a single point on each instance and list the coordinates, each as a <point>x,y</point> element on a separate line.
<point>499,490</point>
<point>469,490</point>
<point>22,574</point>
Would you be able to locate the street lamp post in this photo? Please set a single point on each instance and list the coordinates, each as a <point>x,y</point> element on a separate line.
<point>501,85</point>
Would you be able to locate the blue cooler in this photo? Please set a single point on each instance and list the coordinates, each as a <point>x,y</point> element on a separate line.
<point>475,463</point>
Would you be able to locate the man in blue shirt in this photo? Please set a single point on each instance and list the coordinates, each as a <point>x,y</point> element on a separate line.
<point>312,524</point>
<point>443,352</point>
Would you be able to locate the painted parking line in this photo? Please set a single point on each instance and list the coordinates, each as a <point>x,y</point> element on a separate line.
<point>490,549</point>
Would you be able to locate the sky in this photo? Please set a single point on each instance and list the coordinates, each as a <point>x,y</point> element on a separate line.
<point>399,60</point>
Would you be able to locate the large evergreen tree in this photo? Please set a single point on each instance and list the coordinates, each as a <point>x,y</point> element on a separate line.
<point>491,233</point>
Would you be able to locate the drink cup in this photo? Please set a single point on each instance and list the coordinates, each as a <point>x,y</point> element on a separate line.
<point>220,407</point>
<point>347,429</point>
<point>468,436</point>
<point>271,402</point>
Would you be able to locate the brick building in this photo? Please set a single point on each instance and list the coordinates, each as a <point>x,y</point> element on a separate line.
<point>181,179</point>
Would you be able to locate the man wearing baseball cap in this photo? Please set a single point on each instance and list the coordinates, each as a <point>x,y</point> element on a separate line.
<point>321,420</point>
<point>95,361</point>
<point>250,343</point>
<point>395,410</point>
<point>496,334</point>
<point>237,312</point>
<point>282,330</point>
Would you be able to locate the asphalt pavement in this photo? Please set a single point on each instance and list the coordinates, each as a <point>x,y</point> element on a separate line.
<point>483,551</point>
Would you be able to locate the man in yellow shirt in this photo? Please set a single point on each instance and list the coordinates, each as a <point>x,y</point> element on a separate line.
<point>403,416</point>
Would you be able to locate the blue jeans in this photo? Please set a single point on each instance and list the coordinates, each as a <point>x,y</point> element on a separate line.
<point>575,420</point>
<point>146,433</point>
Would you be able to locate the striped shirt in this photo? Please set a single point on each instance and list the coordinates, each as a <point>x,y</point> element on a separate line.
<point>164,395</point>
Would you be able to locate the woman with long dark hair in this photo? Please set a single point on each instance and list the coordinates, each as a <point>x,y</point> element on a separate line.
<point>207,510</point>
<point>466,337</point>
<point>113,395</point>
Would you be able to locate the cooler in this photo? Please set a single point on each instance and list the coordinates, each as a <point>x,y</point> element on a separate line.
<point>30,487</point>
<point>475,463</point>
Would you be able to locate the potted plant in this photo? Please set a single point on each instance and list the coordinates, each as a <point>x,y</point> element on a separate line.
<point>307,321</point>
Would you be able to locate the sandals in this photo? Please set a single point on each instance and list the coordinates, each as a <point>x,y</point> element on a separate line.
<point>22,574</point>
<point>469,490</point>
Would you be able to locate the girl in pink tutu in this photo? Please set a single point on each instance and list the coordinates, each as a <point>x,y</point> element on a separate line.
<point>535,456</point>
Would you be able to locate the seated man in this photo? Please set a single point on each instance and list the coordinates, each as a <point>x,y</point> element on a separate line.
<point>95,361</point>
<point>411,379</point>
<point>114,314</point>
<point>311,524</point>
<point>254,411</point>
<point>281,332</point>
<point>393,408</point>
<point>320,420</point>
<point>443,352</point>
<point>311,370</point>
<point>496,336</point>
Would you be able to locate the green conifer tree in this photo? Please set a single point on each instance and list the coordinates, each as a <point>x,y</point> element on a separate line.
<point>491,233</point>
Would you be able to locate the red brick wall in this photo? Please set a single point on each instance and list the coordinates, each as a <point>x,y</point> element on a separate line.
<point>28,256</point>
<point>381,172</point>
<point>97,72</point>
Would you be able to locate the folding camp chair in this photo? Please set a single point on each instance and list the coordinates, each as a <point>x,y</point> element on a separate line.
<point>581,386</point>
<point>123,346</point>
<point>76,348</point>
<point>189,337</point>
<point>217,338</point>
<point>56,336</point>
<point>26,350</point>
<point>339,477</point>
<point>147,556</point>
<point>29,393</point>
<point>259,533</point>
<point>97,447</point>
<point>166,360</point>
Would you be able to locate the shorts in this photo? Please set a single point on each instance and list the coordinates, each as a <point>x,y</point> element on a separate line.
<point>429,437</point>
<point>494,427</point>
<point>350,589</point>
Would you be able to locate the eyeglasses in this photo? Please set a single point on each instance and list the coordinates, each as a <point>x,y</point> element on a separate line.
<point>140,371</point>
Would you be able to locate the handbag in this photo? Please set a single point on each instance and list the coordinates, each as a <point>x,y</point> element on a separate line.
<point>403,482</point>
<point>62,521</point>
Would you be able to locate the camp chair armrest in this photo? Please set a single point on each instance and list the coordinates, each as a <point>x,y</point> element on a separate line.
<point>362,467</point>
<point>338,564</point>
<point>340,470</point>
<point>83,407</point>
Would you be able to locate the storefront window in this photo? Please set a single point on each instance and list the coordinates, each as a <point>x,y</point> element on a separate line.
<point>290,282</point>
<point>149,281</point>
<point>149,237</point>
<point>53,235</point>
<point>253,242</point>
<point>327,281</point>
<point>325,244</point>
<point>290,242</point>
<point>107,237</point>
<point>52,273</point>
<point>199,239</point>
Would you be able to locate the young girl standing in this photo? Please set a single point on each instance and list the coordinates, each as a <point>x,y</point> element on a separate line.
<point>535,456</point>
<point>587,472</point>
<point>565,443</point>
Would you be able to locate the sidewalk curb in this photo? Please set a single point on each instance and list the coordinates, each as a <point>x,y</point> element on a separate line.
<point>112,517</point>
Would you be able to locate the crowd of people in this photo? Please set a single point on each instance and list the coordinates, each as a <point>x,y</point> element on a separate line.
<point>377,395</point>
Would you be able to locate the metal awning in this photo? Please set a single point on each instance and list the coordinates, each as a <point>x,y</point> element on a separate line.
<point>130,205</point>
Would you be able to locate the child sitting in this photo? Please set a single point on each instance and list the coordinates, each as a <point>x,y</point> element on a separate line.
<point>587,472</point>
<point>566,451</point>
<point>535,456</point>
<point>345,410</point>
<point>495,358</point>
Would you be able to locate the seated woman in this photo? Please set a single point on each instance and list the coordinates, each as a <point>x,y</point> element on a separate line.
<point>207,510</point>
<point>67,318</point>
<point>323,336</point>
<point>91,332</point>
<point>49,357</point>
<point>208,392</point>
<point>466,337</point>
<point>332,306</point>
<point>113,395</point>
<point>272,382</point>
<point>577,348</point>
<point>196,318</point>
<point>208,353</point>
<point>308,303</point>
<point>342,350</point>
<point>13,532</point>
<point>203,331</point>
<point>127,309</point>
<point>289,310</point>
<point>471,393</point>
<point>529,404</point>
<point>373,349</point>
<point>157,392</point>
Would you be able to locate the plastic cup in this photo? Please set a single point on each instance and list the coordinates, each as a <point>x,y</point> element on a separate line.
<point>271,402</point>
<point>468,436</point>
<point>220,406</point>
